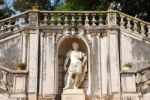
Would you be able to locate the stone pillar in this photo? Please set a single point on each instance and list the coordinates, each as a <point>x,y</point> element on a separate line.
<point>19,86</point>
<point>47,75</point>
<point>128,82</point>
<point>104,65</point>
<point>73,94</point>
<point>32,55</point>
<point>114,54</point>
<point>96,68</point>
<point>24,46</point>
<point>114,61</point>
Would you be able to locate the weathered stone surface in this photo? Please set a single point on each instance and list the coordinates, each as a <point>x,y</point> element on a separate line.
<point>32,62</point>
<point>109,41</point>
<point>134,51</point>
<point>73,94</point>
<point>10,51</point>
<point>49,67</point>
<point>114,61</point>
<point>10,54</point>
<point>96,69</point>
<point>105,65</point>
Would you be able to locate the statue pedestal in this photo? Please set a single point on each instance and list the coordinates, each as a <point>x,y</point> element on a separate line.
<point>73,94</point>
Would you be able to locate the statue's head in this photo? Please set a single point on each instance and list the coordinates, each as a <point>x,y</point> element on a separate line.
<point>75,46</point>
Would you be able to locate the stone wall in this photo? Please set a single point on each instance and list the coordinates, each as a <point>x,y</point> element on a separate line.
<point>135,51</point>
<point>10,51</point>
<point>10,54</point>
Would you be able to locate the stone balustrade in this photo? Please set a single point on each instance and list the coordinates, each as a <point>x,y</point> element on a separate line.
<point>143,80</point>
<point>86,19</point>
<point>133,24</point>
<point>3,81</point>
<point>10,25</point>
<point>74,18</point>
<point>19,82</point>
<point>140,81</point>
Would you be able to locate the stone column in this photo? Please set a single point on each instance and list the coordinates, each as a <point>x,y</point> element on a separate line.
<point>128,85</point>
<point>96,68</point>
<point>114,61</point>
<point>47,75</point>
<point>104,65</point>
<point>19,85</point>
<point>32,55</point>
<point>24,47</point>
<point>114,55</point>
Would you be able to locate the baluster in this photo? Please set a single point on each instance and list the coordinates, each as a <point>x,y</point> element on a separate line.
<point>100,20</point>
<point>135,27</point>
<point>128,24</point>
<point>148,33</point>
<point>86,20</point>
<point>66,20</point>
<point>23,23</point>
<point>80,20</point>
<point>23,18</point>
<point>13,24</point>
<point>59,19</point>
<point>72,19</point>
<point>9,25</point>
<point>106,19</point>
<point>93,20</point>
<point>45,19</point>
<point>4,80</point>
<point>52,19</point>
<point>15,27</point>
<point>2,27</point>
<point>142,29</point>
<point>122,23</point>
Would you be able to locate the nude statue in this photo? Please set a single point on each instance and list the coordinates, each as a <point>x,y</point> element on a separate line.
<point>76,68</point>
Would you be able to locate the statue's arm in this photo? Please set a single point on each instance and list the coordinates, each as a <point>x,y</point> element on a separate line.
<point>66,62</point>
<point>84,60</point>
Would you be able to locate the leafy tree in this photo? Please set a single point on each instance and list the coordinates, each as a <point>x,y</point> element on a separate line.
<point>137,8</point>
<point>23,5</point>
<point>5,11</point>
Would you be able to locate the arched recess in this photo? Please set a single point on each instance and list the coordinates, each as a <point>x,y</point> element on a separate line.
<point>63,46</point>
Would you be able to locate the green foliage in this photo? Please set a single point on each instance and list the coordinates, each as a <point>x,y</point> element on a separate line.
<point>23,5</point>
<point>2,2</point>
<point>5,11</point>
<point>128,65</point>
<point>70,7</point>
<point>137,8</point>
<point>63,6</point>
<point>21,65</point>
<point>82,5</point>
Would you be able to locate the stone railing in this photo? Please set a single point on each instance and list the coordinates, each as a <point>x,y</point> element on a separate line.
<point>143,80</point>
<point>10,25</point>
<point>135,82</point>
<point>76,19</point>
<point>134,25</point>
<point>19,81</point>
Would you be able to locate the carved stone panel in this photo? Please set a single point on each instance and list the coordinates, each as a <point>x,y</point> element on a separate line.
<point>96,67</point>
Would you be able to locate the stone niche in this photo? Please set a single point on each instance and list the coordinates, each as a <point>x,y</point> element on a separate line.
<point>64,47</point>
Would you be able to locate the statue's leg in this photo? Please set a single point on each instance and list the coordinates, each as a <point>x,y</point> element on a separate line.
<point>68,80</point>
<point>77,78</point>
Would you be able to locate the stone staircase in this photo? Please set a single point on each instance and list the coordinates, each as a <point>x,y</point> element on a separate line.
<point>68,22</point>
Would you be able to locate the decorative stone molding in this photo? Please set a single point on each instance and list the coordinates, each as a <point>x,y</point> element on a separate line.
<point>97,29</point>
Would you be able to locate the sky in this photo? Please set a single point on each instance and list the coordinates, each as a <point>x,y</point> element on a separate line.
<point>10,2</point>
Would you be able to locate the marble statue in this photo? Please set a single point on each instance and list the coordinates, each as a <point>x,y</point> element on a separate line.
<point>77,67</point>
